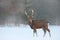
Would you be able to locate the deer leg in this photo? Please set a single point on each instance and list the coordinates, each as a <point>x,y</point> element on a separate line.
<point>44,32</point>
<point>34,31</point>
<point>49,32</point>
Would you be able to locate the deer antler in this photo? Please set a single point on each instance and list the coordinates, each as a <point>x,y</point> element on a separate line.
<point>25,13</point>
<point>32,12</point>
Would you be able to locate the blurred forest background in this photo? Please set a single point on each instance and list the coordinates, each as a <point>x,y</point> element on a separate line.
<point>12,11</point>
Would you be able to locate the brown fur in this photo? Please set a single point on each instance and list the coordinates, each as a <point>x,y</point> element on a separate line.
<point>37,24</point>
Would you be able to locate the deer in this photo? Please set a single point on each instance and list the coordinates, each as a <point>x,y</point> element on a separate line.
<point>37,24</point>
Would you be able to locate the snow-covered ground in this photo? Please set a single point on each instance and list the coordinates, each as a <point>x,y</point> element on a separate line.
<point>24,32</point>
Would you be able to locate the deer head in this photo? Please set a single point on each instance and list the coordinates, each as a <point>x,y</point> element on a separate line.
<point>30,17</point>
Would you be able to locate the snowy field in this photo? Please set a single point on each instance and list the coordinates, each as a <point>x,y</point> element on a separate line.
<point>24,32</point>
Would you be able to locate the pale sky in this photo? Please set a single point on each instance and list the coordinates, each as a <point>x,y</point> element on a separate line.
<point>24,32</point>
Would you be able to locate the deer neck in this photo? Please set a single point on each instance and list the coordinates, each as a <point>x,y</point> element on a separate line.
<point>30,23</point>
<point>30,20</point>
